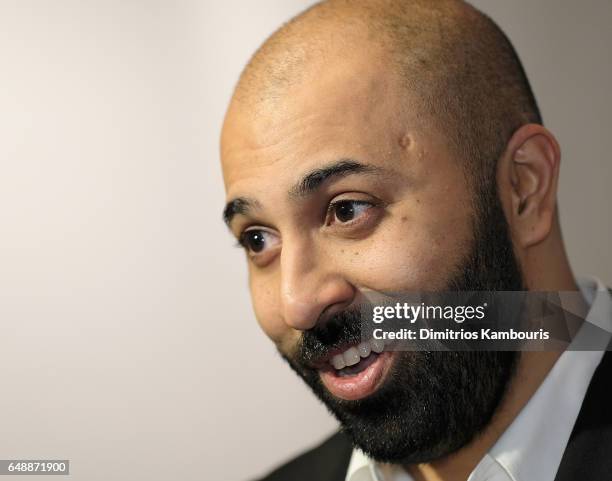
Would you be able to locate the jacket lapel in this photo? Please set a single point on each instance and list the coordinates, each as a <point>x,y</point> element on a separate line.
<point>588,455</point>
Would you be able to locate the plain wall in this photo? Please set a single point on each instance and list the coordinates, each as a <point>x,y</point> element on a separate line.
<point>127,340</point>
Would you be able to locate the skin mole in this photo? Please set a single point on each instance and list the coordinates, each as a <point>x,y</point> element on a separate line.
<point>405,141</point>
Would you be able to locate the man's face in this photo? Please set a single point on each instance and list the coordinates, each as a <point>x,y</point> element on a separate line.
<point>340,190</point>
<point>404,222</point>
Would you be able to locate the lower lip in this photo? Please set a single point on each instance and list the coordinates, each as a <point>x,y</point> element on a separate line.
<point>362,384</point>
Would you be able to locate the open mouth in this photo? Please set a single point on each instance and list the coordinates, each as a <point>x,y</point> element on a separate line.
<point>357,371</point>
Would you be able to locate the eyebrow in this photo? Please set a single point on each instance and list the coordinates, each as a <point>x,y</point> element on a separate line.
<point>305,186</point>
<point>239,205</point>
<point>341,168</point>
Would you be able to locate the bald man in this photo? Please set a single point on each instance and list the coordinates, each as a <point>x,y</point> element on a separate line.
<point>390,146</point>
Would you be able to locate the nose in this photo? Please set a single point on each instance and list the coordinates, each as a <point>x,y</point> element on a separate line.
<point>311,286</point>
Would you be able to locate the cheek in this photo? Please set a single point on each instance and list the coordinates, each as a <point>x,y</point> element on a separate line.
<point>412,252</point>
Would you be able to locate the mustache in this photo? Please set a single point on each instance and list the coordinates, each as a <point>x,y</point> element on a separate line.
<point>316,344</point>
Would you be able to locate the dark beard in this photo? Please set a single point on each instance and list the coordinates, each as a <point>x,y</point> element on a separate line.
<point>432,403</point>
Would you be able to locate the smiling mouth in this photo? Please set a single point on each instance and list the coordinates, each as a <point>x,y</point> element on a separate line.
<point>358,371</point>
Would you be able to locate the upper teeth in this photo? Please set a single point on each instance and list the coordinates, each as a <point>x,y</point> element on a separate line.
<point>353,354</point>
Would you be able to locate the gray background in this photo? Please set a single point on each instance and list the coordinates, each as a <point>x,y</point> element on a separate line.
<point>127,341</point>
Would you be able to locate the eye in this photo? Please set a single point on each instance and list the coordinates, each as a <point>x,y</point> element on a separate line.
<point>346,211</point>
<point>255,241</point>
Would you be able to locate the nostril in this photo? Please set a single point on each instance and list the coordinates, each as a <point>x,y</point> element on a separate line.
<point>332,310</point>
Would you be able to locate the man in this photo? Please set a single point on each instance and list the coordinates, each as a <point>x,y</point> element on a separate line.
<point>376,146</point>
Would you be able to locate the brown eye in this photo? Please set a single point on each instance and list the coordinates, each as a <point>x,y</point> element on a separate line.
<point>345,211</point>
<point>256,241</point>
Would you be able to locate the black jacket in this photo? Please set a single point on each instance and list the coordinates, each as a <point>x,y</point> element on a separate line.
<point>587,456</point>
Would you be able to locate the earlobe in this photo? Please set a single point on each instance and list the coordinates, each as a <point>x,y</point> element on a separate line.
<point>530,166</point>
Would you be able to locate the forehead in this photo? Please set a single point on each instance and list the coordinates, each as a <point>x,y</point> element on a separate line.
<point>349,107</point>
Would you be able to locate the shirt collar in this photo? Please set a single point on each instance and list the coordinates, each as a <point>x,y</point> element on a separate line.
<point>525,451</point>
<point>360,468</point>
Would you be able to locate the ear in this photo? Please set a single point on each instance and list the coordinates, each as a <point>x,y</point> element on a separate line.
<point>527,178</point>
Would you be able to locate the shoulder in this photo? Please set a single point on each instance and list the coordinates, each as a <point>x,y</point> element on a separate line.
<point>326,462</point>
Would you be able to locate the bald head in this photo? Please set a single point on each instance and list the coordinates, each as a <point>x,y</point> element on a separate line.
<point>457,69</point>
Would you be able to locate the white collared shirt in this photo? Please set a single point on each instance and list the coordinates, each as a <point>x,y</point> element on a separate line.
<point>532,446</point>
